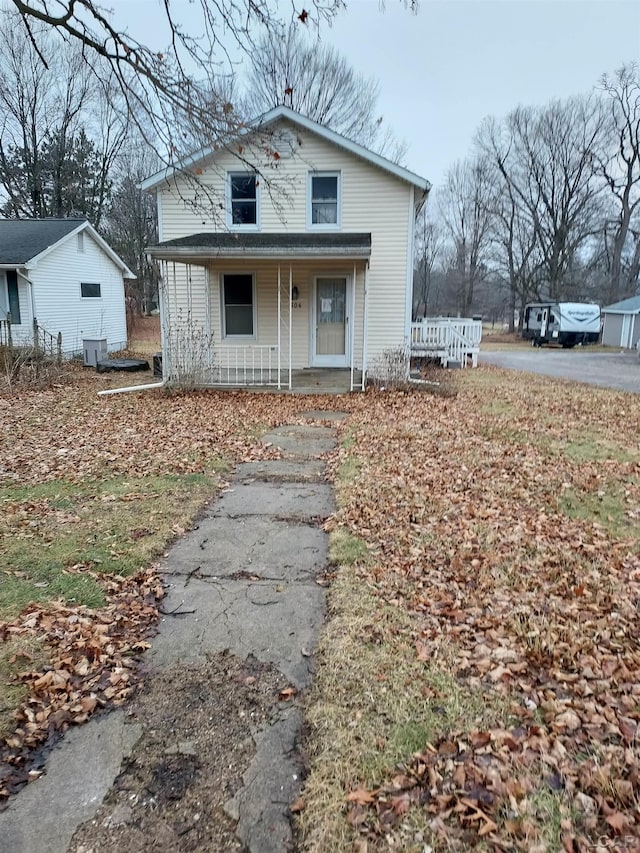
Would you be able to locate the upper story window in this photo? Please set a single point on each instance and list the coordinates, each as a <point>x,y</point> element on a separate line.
<point>324,200</point>
<point>80,241</point>
<point>243,196</point>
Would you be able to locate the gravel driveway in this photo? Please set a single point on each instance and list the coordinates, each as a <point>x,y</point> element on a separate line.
<point>619,370</point>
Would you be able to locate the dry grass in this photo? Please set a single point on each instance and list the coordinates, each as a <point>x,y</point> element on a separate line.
<point>514,518</point>
<point>372,704</point>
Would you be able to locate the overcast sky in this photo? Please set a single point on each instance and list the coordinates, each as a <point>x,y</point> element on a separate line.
<point>442,71</point>
<point>455,62</point>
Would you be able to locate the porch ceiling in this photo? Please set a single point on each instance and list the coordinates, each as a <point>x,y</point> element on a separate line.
<point>283,246</point>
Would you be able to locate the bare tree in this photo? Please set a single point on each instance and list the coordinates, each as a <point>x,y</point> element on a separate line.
<point>515,255</point>
<point>620,168</point>
<point>428,248</point>
<point>60,132</point>
<point>159,84</point>
<point>466,205</point>
<point>131,222</point>
<point>546,157</point>
<point>313,78</point>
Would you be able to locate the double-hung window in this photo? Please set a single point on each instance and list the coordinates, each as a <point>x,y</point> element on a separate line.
<point>243,199</point>
<point>238,305</point>
<point>323,209</point>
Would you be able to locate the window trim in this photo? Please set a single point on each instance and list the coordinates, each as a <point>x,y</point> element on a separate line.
<point>329,226</point>
<point>97,284</point>
<point>223,317</point>
<point>230,223</point>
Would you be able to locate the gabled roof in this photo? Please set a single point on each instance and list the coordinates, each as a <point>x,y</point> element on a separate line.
<point>626,306</point>
<point>280,113</point>
<point>278,245</point>
<point>24,242</point>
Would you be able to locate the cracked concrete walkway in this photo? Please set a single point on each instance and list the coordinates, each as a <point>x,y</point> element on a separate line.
<point>246,580</point>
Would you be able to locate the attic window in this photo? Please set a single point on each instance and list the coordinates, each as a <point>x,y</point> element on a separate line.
<point>244,198</point>
<point>80,241</point>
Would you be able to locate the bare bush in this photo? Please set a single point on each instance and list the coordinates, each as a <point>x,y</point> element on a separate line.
<point>391,369</point>
<point>191,347</point>
<point>27,367</point>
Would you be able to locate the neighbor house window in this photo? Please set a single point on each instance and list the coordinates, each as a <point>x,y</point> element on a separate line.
<point>238,305</point>
<point>243,192</point>
<point>90,291</point>
<point>324,199</point>
<point>80,241</point>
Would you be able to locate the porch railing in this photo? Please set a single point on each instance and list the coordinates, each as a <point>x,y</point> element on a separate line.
<point>448,339</point>
<point>42,341</point>
<point>246,365</point>
<point>6,338</point>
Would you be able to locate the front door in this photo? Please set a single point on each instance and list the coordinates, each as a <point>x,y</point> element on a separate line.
<point>330,323</point>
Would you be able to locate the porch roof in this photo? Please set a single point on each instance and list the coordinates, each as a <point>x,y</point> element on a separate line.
<point>283,246</point>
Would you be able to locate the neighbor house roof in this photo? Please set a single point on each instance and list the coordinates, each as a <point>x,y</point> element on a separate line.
<point>24,242</point>
<point>279,113</point>
<point>626,306</point>
<point>233,245</point>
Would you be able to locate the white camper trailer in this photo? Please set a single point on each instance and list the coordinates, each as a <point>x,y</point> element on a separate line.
<point>564,323</point>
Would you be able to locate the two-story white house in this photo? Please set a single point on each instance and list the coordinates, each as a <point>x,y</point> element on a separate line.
<point>289,249</point>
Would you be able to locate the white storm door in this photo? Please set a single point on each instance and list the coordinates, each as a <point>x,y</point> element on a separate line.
<point>330,322</point>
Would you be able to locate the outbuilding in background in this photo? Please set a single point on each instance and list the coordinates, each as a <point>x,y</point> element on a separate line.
<point>621,323</point>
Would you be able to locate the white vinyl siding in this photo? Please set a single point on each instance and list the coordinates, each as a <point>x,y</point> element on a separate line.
<point>372,201</point>
<point>58,303</point>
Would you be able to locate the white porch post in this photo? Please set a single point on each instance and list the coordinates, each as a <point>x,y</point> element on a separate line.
<point>352,326</point>
<point>279,325</point>
<point>290,317</point>
<point>207,319</point>
<point>162,295</point>
<point>364,326</point>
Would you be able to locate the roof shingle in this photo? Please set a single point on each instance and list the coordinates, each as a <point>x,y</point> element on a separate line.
<point>23,239</point>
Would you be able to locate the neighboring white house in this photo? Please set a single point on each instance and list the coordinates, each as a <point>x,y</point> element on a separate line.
<point>61,273</point>
<point>289,248</point>
<point>621,323</point>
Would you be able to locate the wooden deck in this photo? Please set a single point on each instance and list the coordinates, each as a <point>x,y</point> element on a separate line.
<point>454,341</point>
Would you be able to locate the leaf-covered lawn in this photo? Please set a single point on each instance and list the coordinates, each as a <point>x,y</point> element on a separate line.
<point>479,677</point>
<point>477,683</point>
<point>91,491</point>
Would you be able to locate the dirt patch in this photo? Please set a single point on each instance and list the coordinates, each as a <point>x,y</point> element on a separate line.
<point>198,727</point>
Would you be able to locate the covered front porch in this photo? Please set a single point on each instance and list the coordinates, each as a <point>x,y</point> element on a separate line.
<point>265,310</point>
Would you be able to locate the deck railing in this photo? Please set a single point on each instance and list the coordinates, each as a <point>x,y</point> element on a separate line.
<point>450,339</point>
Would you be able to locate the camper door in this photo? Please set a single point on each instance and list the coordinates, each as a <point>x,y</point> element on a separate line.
<point>545,321</point>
